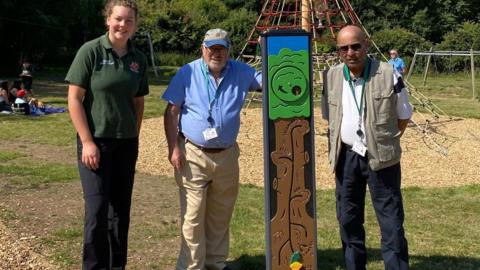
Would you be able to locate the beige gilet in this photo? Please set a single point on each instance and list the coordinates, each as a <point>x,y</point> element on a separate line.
<point>380,117</point>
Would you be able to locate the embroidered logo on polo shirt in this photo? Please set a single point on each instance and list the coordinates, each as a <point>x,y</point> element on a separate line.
<point>134,67</point>
<point>107,62</point>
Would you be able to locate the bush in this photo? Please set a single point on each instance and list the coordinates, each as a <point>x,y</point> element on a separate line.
<point>466,37</point>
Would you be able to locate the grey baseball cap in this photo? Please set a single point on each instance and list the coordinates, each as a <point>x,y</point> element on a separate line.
<point>216,36</point>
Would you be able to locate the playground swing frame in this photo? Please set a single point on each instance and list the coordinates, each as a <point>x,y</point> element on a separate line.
<point>432,52</point>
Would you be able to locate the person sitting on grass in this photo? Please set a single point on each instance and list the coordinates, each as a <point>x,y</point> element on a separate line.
<point>21,105</point>
<point>5,102</point>
<point>12,91</point>
<point>35,107</point>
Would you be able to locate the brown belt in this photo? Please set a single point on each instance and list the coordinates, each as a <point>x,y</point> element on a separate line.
<point>204,149</point>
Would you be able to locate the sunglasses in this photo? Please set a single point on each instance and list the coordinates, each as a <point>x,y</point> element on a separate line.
<point>354,47</point>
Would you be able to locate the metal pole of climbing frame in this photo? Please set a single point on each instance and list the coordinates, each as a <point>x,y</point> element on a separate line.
<point>472,65</point>
<point>426,68</point>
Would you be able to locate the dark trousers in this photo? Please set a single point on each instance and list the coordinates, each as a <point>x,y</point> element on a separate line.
<point>352,176</point>
<point>107,193</point>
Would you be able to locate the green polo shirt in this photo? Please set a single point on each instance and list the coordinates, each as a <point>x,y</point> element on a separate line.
<point>111,83</point>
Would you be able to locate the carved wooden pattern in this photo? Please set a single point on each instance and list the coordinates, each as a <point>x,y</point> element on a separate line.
<point>292,226</point>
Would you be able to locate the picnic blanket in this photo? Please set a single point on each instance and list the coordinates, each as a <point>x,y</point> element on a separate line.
<point>47,109</point>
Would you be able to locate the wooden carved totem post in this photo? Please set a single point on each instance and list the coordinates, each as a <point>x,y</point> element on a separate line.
<point>289,158</point>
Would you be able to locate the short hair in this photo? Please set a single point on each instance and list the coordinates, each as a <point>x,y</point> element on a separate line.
<point>107,11</point>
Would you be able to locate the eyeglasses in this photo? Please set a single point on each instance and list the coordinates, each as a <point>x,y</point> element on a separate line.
<point>354,47</point>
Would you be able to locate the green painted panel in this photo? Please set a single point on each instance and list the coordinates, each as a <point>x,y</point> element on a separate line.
<point>289,85</point>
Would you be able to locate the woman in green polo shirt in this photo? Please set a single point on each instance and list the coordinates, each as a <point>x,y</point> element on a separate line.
<point>107,83</point>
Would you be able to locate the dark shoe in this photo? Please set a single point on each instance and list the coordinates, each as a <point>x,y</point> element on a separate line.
<point>227,268</point>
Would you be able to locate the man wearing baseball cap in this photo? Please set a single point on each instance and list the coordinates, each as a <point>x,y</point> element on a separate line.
<point>202,121</point>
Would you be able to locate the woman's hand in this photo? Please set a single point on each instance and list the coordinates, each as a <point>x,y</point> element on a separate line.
<point>90,155</point>
<point>90,152</point>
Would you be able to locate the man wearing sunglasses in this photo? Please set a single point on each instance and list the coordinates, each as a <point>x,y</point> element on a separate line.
<point>397,62</point>
<point>367,112</point>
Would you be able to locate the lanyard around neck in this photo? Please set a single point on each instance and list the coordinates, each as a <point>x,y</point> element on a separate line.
<point>207,86</point>
<point>366,72</point>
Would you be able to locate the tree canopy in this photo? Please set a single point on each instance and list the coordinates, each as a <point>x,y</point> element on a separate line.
<point>50,31</point>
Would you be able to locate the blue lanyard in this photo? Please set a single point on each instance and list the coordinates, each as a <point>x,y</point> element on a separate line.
<point>207,88</point>
<point>207,85</point>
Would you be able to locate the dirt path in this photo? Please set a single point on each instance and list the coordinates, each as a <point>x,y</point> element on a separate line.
<point>15,253</point>
<point>37,221</point>
<point>17,247</point>
<point>42,152</point>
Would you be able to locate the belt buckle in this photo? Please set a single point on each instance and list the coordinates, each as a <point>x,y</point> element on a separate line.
<point>203,149</point>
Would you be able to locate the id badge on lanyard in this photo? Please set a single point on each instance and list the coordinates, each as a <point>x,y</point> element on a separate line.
<point>210,132</point>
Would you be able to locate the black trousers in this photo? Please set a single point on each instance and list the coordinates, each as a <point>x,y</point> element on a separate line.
<point>352,176</point>
<point>107,193</point>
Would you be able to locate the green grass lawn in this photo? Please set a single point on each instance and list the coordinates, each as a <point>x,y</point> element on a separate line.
<point>442,225</point>
<point>451,92</point>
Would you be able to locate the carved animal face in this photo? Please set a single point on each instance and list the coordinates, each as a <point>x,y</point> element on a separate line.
<point>289,83</point>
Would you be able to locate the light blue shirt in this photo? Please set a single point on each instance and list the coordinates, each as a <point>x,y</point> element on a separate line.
<point>398,64</point>
<point>193,88</point>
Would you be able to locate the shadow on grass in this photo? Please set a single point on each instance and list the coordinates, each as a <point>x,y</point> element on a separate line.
<point>332,259</point>
<point>24,118</point>
<point>327,259</point>
<point>444,262</point>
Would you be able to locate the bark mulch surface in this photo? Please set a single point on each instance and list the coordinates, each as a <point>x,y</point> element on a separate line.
<point>16,253</point>
<point>447,155</point>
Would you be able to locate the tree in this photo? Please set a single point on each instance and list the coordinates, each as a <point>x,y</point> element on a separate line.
<point>466,37</point>
<point>239,24</point>
<point>429,19</point>
<point>400,39</point>
<point>252,5</point>
<point>47,31</point>
<point>51,31</point>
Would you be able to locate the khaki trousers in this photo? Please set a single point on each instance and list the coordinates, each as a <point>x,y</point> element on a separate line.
<point>208,185</point>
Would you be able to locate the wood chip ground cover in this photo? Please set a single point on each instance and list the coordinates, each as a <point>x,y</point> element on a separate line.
<point>422,163</point>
